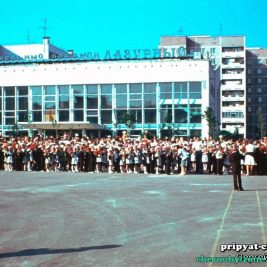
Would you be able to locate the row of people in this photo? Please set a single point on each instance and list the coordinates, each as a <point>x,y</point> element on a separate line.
<point>126,155</point>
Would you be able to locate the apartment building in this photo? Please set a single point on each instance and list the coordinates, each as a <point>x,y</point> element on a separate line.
<point>256,92</point>
<point>226,53</point>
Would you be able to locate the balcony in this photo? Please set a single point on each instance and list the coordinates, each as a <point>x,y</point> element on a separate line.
<point>233,120</point>
<point>231,76</point>
<point>233,54</point>
<point>233,98</point>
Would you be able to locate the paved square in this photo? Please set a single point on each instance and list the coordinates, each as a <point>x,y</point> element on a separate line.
<point>80,219</point>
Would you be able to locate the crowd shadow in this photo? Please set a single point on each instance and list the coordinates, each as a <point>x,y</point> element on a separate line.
<point>47,251</point>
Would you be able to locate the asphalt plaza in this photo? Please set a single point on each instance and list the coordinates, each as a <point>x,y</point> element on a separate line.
<point>82,219</point>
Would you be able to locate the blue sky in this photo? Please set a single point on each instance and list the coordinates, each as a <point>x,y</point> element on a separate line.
<point>92,25</point>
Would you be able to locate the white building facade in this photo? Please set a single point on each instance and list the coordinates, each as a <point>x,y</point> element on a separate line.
<point>161,94</point>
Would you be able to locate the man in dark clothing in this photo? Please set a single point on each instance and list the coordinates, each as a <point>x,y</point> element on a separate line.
<point>235,158</point>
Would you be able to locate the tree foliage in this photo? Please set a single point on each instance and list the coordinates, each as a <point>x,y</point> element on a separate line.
<point>210,117</point>
<point>127,118</point>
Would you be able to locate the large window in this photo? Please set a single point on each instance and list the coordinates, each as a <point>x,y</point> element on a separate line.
<point>165,90</point>
<point>166,114</point>
<point>78,102</point>
<point>22,106</point>
<point>92,103</point>
<point>181,114</point>
<point>63,103</point>
<point>150,115</point>
<point>180,90</point>
<point>195,113</point>
<point>136,95</point>
<point>121,96</point>
<point>195,90</point>
<point>9,105</point>
<point>150,96</point>
<point>106,103</point>
<point>50,103</point>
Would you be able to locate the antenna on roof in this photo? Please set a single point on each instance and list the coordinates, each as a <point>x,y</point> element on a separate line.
<point>221,29</point>
<point>44,27</point>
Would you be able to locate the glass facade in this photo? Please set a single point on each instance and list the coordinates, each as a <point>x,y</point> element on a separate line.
<point>151,104</point>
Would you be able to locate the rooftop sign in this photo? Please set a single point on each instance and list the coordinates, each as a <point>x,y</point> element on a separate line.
<point>126,54</point>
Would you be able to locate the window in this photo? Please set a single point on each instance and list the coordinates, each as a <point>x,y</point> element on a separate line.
<point>150,100</point>
<point>9,91</point>
<point>249,90</point>
<point>92,89</point>
<point>166,114</point>
<point>106,89</point>
<point>22,91</point>
<point>165,90</point>
<point>249,71</point>
<point>180,90</point>
<point>63,102</point>
<point>10,103</point>
<point>121,88</point>
<point>37,116</point>
<point>195,113</point>
<point>150,96</point>
<point>195,90</point>
<point>106,101</point>
<point>180,114</point>
<point>259,71</point>
<point>121,95</point>
<point>36,90</point>
<point>78,115</point>
<point>236,114</point>
<point>249,99</point>
<point>249,109</point>
<point>259,90</point>
<point>136,88</point>
<point>121,101</point>
<point>63,115</point>
<point>106,116</point>
<point>49,90</point>
<point>63,90</point>
<point>92,101</point>
<point>259,99</point>
<point>150,115</point>
<point>150,88</point>
<point>136,95</point>
<point>259,80</point>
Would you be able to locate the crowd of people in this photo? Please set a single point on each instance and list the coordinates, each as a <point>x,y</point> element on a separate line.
<point>126,155</point>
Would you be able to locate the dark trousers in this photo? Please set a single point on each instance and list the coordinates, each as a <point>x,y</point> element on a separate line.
<point>199,167</point>
<point>237,181</point>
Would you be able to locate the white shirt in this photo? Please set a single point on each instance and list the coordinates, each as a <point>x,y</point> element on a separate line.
<point>250,148</point>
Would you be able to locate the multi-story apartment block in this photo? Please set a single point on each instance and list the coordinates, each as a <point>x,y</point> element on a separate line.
<point>228,54</point>
<point>256,91</point>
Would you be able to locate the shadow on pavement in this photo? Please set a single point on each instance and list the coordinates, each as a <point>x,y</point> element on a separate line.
<point>45,251</point>
<point>255,189</point>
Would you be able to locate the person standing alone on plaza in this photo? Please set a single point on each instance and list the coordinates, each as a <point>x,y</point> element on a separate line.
<point>235,160</point>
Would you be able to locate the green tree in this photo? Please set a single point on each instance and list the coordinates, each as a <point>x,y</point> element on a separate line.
<point>127,118</point>
<point>210,117</point>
